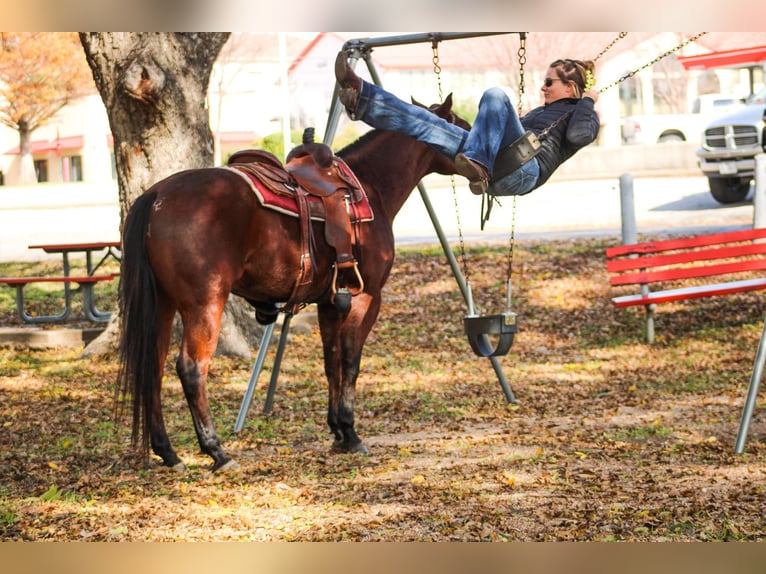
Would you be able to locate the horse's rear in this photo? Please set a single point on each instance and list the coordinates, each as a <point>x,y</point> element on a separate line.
<point>190,241</point>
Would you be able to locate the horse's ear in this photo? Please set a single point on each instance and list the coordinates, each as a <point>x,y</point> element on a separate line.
<point>417,103</point>
<point>445,109</point>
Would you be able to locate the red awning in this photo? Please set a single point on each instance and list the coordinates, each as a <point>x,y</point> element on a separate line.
<point>45,146</point>
<point>728,58</point>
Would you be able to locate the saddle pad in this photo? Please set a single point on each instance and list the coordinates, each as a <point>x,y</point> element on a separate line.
<point>359,211</point>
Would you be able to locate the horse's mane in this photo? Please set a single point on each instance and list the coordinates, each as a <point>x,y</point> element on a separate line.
<point>359,143</point>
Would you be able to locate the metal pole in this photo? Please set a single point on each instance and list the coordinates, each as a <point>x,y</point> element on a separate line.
<point>277,364</point>
<point>630,237</point>
<point>759,193</point>
<point>257,367</point>
<point>464,289</point>
<point>451,259</point>
<point>752,393</point>
<point>628,210</point>
<point>366,43</point>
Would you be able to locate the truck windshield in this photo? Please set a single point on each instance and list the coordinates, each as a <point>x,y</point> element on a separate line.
<point>758,97</point>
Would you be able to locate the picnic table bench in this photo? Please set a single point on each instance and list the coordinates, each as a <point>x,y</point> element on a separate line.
<point>85,282</point>
<point>671,262</point>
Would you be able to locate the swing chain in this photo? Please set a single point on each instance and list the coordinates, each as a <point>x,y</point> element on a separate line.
<point>657,59</point>
<point>437,72</point>
<point>437,68</point>
<point>522,55</point>
<point>619,37</point>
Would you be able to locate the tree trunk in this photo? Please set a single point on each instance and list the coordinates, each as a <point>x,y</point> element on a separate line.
<point>154,87</point>
<point>26,163</point>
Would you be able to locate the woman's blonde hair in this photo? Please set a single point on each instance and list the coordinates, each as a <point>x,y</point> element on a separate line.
<point>576,72</point>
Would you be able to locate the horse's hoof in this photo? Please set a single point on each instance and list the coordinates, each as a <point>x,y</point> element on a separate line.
<point>341,447</point>
<point>179,467</point>
<point>230,465</point>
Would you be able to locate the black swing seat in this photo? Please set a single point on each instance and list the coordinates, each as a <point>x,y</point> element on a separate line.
<point>478,328</point>
<point>512,157</point>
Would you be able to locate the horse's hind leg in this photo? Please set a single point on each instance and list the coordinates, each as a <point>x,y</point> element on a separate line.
<point>200,338</point>
<point>157,431</point>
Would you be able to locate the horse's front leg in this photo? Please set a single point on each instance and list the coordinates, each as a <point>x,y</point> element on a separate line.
<point>343,339</point>
<point>200,338</point>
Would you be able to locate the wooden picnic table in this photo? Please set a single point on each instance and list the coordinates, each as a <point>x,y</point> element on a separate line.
<point>112,250</point>
<point>85,282</point>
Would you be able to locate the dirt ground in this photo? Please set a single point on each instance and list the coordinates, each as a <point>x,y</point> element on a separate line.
<point>610,439</point>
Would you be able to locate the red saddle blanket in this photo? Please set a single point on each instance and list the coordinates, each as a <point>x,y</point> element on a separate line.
<point>358,205</point>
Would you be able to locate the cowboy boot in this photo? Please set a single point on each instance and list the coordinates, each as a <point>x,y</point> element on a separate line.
<point>350,84</point>
<point>474,172</point>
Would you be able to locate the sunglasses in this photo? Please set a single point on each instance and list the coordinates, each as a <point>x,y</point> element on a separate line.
<point>549,81</point>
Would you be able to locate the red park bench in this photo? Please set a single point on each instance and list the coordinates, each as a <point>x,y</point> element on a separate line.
<point>676,265</point>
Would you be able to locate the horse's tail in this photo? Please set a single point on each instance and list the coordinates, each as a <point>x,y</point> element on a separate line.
<point>138,351</point>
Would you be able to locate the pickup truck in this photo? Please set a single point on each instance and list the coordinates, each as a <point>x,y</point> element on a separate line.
<point>729,146</point>
<point>662,128</point>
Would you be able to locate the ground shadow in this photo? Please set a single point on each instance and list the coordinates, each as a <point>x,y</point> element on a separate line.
<point>701,201</point>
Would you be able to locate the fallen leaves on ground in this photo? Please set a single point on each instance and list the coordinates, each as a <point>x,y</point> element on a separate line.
<point>610,439</point>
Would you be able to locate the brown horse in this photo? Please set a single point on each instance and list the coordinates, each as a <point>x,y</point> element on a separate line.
<point>198,235</point>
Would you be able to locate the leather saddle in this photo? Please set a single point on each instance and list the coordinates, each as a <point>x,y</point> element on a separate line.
<point>319,186</point>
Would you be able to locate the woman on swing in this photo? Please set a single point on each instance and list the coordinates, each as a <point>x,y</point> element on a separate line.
<point>566,123</point>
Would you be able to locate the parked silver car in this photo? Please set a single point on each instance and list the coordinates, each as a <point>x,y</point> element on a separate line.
<point>729,147</point>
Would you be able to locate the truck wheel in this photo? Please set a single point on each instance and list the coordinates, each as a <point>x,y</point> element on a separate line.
<point>671,137</point>
<point>729,189</point>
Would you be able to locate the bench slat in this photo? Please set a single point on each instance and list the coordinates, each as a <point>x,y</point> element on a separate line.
<point>686,242</point>
<point>690,293</point>
<point>688,272</point>
<point>73,279</point>
<point>625,264</point>
<point>77,246</point>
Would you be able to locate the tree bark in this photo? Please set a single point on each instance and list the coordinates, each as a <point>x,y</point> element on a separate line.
<point>154,87</point>
<point>26,163</point>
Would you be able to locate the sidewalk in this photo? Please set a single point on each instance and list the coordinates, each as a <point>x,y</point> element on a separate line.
<point>572,208</point>
<point>81,213</point>
<point>55,213</point>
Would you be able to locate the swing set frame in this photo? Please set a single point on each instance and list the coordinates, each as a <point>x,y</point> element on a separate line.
<point>477,327</point>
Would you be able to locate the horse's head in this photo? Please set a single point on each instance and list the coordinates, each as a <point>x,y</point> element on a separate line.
<point>444,110</point>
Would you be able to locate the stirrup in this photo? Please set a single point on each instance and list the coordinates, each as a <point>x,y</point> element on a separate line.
<point>341,297</point>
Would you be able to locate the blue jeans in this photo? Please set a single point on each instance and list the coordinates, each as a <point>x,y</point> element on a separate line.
<point>496,126</point>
